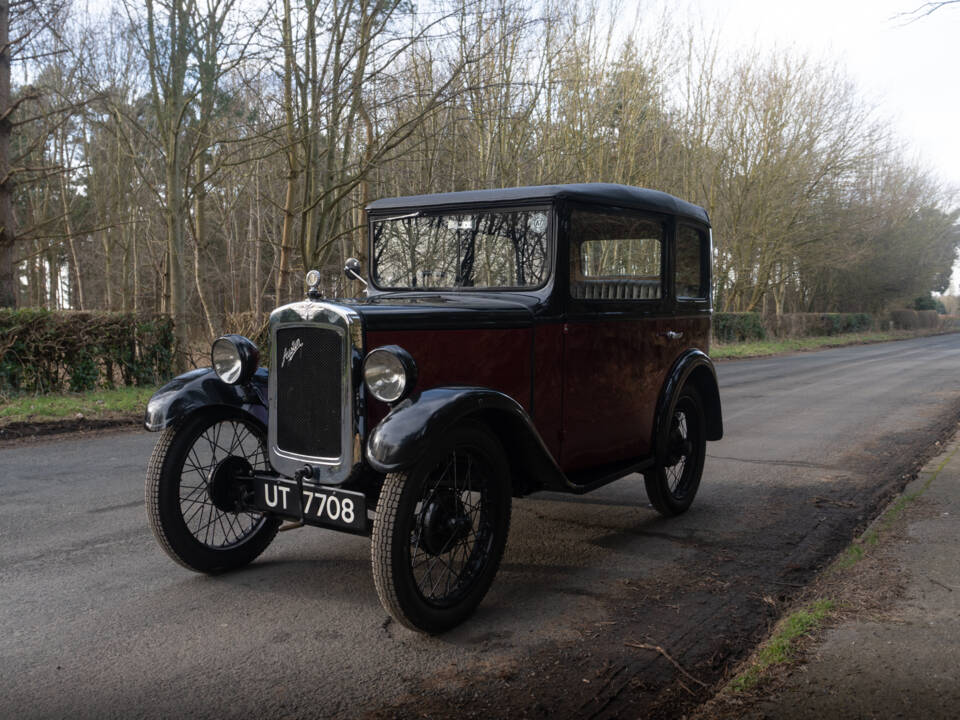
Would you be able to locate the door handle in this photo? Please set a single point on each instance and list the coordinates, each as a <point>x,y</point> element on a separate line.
<point>673,335</point>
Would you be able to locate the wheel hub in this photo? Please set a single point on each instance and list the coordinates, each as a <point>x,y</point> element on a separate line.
<point>445,522</point>
<point>224,488</point>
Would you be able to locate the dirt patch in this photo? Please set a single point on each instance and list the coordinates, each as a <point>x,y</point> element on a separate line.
<point>28,431</point>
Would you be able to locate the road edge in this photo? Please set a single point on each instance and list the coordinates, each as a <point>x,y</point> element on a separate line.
<point>826,603</point>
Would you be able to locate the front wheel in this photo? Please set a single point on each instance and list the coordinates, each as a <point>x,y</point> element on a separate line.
<point>673,482</point>
<point>190,493</point>
<point>441,529</point>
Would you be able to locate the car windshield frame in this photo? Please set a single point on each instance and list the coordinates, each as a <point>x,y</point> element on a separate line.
<point>458,211</point>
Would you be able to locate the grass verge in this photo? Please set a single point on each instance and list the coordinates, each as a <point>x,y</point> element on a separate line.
<point>857,551</point>
<point>781,647</point>
<point>762,348</point>
<point>68,406</point>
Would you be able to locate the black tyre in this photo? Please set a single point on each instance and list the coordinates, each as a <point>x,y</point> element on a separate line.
<point>673,482</point>
<point>441,529</point>
<point>195,531</point>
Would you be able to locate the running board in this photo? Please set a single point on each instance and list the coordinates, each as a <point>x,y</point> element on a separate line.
<point>581,483</point>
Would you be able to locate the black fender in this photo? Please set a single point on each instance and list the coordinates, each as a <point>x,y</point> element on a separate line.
<point>187,393</point>
<point>695,367</point>
<point>414,424</point>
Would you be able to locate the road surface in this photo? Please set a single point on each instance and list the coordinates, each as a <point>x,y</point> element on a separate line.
<point>95,621</point>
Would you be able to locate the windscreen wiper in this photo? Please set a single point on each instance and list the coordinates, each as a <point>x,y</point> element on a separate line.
<point>399,217</point>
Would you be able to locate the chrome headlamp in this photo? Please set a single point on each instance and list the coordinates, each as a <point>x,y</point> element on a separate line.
<point>390,373</point>
<point>234,358</point>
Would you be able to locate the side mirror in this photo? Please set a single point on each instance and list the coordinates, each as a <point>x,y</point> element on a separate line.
<point>352,269</point>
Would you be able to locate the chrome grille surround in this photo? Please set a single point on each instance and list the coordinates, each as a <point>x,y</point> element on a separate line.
<point>347,324</point>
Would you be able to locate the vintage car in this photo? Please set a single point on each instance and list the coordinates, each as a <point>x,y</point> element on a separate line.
<point>510,341</point>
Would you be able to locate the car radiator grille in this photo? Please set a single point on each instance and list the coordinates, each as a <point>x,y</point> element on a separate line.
<point>308,396</point>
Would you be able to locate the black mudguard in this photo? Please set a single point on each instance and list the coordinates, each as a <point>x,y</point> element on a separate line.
<point>408,431</point>
<point>187,393</point>
<point>695,367</point>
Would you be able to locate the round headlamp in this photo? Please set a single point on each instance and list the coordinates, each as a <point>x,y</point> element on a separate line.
<point>234,358</point>
<point>390,373</point>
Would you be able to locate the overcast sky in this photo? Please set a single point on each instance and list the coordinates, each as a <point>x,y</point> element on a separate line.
<point>909,69</point>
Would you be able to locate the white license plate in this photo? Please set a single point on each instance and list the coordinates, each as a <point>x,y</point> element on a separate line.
<point>327,507</point>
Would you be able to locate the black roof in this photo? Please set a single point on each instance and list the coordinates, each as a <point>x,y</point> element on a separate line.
<point>604,193</point>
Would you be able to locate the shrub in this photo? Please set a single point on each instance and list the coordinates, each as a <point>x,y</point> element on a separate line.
<point>738,327</point>
<point>45,351</point>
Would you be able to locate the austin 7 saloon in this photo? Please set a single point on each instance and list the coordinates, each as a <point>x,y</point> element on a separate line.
<point>508,341</point>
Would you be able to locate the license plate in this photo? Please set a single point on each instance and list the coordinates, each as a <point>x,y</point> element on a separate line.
<point>327,507</point>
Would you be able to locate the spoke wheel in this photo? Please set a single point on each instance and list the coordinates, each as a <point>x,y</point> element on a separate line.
<point>191,498</point>
<point>675,479</point>
<point>440,531</point>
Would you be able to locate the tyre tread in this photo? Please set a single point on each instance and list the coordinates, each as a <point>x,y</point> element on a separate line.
<point>381,546</point>
<point>655,482</point>
<point>197,562</point>
<point>152,494</point>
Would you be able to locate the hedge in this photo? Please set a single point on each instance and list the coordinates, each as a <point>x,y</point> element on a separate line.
<point>47,351</point>
<point>929,319</point>
<point>738,327</point>
<point>742,327</point>
<point>905,319</point>
<point>814,324</point>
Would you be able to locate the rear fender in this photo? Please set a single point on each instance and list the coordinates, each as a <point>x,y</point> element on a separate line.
<point>197,389</point>
<point>696,368</point>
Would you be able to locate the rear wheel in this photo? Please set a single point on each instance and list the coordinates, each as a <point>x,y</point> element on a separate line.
<point>190,496</point>
<point>441,529</point>
<point>674,480</point>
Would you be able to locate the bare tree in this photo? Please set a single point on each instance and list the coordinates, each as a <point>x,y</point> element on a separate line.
<point>922,11</point>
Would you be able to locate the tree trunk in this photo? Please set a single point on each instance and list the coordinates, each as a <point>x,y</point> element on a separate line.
<point>200,240</point>
<point>174,217</point>
<point>286,234</point>
<point>8,289</point>
<point>68,227</point>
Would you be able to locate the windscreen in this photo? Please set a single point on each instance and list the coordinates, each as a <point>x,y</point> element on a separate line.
<point>482,249</point>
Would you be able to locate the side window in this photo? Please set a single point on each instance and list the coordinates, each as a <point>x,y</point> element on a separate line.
<point>614,256</point>
<point>690,280</point>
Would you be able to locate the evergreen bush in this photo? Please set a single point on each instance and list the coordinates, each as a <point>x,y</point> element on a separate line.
<point>738,327</point>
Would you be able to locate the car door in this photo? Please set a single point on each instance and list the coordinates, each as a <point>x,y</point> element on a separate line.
<point>615,342</point>
<point>691,274</point>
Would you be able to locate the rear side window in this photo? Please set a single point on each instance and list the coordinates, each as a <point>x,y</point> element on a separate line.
<point>615,256</point>
<point>690,278</point>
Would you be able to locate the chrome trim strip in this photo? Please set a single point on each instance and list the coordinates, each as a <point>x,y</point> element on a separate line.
<point>347,323</point>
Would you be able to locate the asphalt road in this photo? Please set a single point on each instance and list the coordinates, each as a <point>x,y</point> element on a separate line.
<point>95,621</point>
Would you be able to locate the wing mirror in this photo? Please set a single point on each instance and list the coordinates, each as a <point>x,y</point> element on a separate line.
<point>352,269</point>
